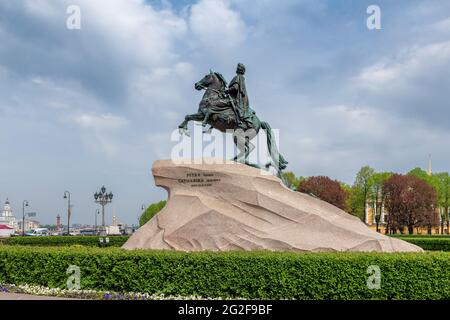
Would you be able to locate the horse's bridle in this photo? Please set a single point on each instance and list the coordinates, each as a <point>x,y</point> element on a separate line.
<point>206,88</point>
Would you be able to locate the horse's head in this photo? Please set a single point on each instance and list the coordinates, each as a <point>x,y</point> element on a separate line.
<point>213,80</point>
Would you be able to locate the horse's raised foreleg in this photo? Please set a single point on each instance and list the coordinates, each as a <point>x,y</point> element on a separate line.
<point>182,128</point>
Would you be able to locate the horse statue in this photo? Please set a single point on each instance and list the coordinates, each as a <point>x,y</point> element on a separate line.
<point>218,110</point>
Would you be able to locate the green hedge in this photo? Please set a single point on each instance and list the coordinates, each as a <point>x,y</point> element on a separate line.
<point>58,241</point>
<point>259,275</point>
<point>428,236</point>
<point>429,243</point>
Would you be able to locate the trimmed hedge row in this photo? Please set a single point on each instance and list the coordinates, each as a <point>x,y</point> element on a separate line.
<point>429,236</point>
<point>430,244</point>
<point>59,241</point>
<point>254,275</point>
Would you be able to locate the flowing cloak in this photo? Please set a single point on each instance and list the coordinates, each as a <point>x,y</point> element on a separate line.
<point>239,93</point>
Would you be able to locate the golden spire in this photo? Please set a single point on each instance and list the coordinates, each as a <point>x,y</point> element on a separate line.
<point>429,172</point>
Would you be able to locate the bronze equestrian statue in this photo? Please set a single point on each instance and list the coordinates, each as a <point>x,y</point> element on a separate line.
<point>227,108</point>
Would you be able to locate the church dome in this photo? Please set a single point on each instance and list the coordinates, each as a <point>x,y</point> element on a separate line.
<point>7,212</point>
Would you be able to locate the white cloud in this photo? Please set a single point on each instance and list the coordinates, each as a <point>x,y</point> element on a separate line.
<point>135,30</point>
<point>442,26</point>
<point>100,132</point>
<point>164,88</point>
<point>377,75</point>
<point>350,118</point>
<point>216,26</point>
<point>408,65</point>
<point>41,8</point>
<point>100,121</point>
<point>119,41</point>
<point>38,80</point>
<point>165,75</point>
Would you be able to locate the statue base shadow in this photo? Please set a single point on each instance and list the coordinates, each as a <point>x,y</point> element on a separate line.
<point>220,205</point>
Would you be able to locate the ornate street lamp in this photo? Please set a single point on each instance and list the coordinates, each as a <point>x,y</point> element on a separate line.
<point>97,212</point>
<point>103,198</point>
<point>67,196</point>
<point>24,204</point>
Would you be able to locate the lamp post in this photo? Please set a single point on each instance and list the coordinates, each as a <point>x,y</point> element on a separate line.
<point>143,207</point>
<point>67,196</point>
<point>97,212</point>
<point>103,198</point>
<point>24,204</point>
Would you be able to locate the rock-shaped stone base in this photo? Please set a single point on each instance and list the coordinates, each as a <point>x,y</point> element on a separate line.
<point>230,206</point>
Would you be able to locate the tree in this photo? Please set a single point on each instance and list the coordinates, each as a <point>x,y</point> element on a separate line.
<point>349,192</point>
<point>419,173</point>
<point>360,192</point>
<point>347,188</point>
<point>353,202</point>
<point>377,194</point>
<point>410,201</point>
<point>441,183</point>
<point>325,189</point>
<point>443,189</point>
<point>153,209</point>
<point>291,179</point>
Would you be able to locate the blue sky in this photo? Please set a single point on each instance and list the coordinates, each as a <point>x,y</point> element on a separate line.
<point>83,108</point>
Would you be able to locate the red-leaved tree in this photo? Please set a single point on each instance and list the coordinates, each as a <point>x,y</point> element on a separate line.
<point>325,189</point>
<point>410,202</point>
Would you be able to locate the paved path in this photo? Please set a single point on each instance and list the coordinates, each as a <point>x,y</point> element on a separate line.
<point>19,296</point>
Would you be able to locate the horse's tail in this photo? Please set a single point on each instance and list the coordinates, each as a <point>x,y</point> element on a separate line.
<point>279,161</point>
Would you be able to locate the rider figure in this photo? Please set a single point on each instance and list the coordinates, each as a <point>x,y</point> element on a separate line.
<point>238,93</point>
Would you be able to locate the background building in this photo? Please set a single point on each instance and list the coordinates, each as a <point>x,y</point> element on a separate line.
<point>58,223</point>
<point>372,208</point>
<point>29,225</point>
<point>7,217</point>
<point>370,220</point>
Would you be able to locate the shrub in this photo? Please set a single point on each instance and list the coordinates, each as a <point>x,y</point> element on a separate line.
<point>153,209</point>
<point>254,275</point>
<point>58,241</point>
<point>433,243</point>
<point>426,236</point>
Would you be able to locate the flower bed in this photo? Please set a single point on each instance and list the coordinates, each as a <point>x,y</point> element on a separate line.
<point>88,294</point>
